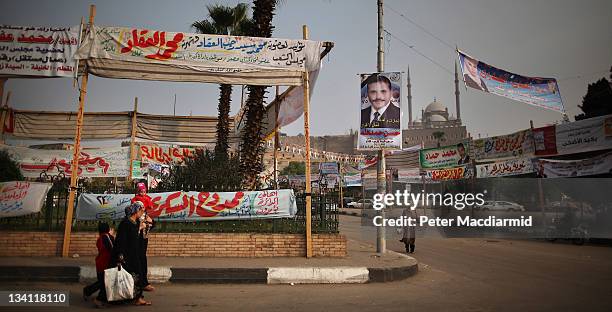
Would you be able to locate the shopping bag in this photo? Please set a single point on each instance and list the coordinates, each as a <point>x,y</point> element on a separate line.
<point>119,284</point>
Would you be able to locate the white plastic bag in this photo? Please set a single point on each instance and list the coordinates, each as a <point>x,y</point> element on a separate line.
<point>119,284</point>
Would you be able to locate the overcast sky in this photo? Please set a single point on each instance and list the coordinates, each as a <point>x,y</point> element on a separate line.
<point>563,39</point>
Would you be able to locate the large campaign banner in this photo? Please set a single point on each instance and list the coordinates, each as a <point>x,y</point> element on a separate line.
<point>504,146</point>
<point>352,180</point>
<point>583,135</point>
<point>553,168</point>
<point>380,125</point>
<point>193,206</point>
<point>201,52</point>
<point>461,172</point>
<point>38,51</point>
<point>540,92</point>
<point>445,156</point>
<point>106,162</point>
<point>19,198</point>
<point>504,168</point>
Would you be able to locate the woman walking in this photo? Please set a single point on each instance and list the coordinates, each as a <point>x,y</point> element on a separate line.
<point>141,196</point>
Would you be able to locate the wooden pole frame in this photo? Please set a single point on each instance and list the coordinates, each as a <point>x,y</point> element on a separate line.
<point>74,177</point>
<point>133,138</point>
<point>306,86</point>
<point>276,137</point>
<point>4,108</point>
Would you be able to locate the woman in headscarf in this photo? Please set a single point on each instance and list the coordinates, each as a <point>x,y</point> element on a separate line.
<point>128,247</point>
<point>141,196</point>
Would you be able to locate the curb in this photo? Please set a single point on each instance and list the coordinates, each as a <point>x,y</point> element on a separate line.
<point>272,275</point>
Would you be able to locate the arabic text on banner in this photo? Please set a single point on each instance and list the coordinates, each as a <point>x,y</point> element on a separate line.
<point>38,51</point>
<point>446,156</point>
<point>352,180</point>
<point>540,92</point>
<point>583,135</point>
<point>508,167</point>
<point>193,206</point>
<point>107,162</point>
<point>202,52</point>
<point>22,198</point>
<point>168,155</point>
<point>328,168</point>
<point>461,172</point>
<point>380,121</point>
<point>551,168</point>
<point>504,146</point>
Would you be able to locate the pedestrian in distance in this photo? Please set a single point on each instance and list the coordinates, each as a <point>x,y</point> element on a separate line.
<point>141,196</point>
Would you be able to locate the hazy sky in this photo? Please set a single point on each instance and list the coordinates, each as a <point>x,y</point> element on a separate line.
<point>554,38</point>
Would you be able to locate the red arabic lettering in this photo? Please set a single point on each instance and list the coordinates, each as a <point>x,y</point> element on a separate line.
<point>165,48</point>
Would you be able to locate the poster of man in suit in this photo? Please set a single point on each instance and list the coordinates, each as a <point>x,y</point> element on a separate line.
<point>380,126</point>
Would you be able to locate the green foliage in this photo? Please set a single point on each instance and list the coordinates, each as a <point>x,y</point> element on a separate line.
<point>207,172</point>
<point>9,170</point>
<point>439,136</point>
<point>294,168</point>
<point>597,101</point>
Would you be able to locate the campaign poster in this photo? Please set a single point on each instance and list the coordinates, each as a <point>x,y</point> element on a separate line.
<point>380,121</point>
<point>445,156</point>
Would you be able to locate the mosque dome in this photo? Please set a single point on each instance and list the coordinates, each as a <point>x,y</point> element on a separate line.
<point>437,118</point>
<point>435,106</point>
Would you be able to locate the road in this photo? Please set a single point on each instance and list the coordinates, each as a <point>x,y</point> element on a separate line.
<point>454,275</point>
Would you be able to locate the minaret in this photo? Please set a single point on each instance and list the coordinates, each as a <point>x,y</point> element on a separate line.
<point>409,97</point>
<point>457,104</point>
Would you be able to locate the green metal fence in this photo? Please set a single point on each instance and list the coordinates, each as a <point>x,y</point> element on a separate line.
<point>53,214</point>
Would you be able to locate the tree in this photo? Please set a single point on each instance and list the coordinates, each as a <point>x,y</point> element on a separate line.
<point>224,20</point>
<point>251,149</point>
<point>597,101</point>
<point>294,168</point>
<point>439,136</point>
<point>9,170</point>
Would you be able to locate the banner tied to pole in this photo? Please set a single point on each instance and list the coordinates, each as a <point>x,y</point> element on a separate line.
<point>193,206</point>
<point>540,92</point>
<point>38,51</point>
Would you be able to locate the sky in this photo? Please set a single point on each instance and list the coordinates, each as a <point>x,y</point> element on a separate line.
<point>564,39</point>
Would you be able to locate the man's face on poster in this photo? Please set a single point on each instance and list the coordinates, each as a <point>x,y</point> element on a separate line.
<point>461,150</point>
<point>379,94</point>
<point>470,66</point>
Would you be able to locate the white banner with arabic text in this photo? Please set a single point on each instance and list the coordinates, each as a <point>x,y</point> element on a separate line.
<point>22,198</point>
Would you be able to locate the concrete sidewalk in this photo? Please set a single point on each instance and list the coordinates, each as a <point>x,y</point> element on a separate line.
<point>362,265</point>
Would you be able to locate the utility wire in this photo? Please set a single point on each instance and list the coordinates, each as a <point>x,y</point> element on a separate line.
<point>419,52</point>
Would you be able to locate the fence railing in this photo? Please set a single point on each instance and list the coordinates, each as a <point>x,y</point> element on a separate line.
<point>52,217</point>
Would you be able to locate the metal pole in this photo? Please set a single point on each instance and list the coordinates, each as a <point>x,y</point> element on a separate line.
<point>306,86</point>
<point>276,137</point>
<point>74,177</point>
<point>540,188</point>
<point>381,183</point>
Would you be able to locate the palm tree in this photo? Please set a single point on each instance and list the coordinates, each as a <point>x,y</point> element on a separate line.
<point>439,136</point>
<point>224,20</point>
<point>251,149</point>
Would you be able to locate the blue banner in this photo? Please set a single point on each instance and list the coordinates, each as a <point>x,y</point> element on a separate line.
<point>540,92</point>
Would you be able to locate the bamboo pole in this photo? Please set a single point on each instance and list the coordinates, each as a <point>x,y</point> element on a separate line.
<point>306,86</point>
<point>74,177</point>
<point>5,112</point>
<point>133,138</point>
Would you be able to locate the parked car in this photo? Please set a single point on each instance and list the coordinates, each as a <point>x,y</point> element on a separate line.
<point>498,205</point>
<point>347,201</point>
<point>362,203</point>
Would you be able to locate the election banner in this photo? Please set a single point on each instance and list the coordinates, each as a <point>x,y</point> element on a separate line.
<point>462,172</point>
<point>193,206</point>
<point>18,198</point>
<point>446,156</point>
<point>380,125</point>
<point>412,175</point>
<point>38,51</point>
<point>352,180</point>
<point>504,146</point>
<point>583,135</point>
<point>201,52</point>
<point>107,162</point>
<point>545,141</point>
<point>139,170</point>
<point>328,168</point>
<point>540,92</point>
<point>509,167</point>
<point>553,168</point>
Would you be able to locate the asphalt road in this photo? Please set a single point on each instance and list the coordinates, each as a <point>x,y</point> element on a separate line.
<point>454,275</point>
